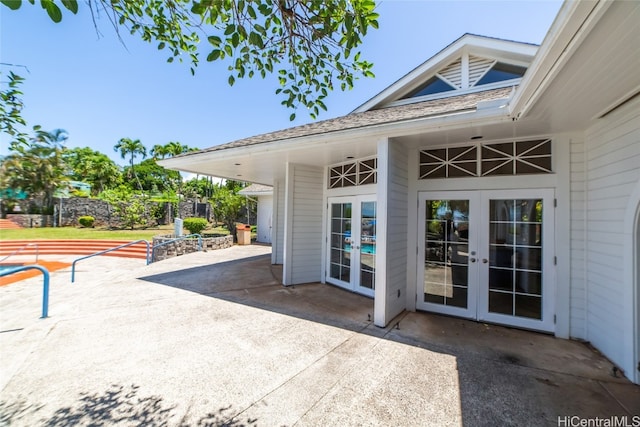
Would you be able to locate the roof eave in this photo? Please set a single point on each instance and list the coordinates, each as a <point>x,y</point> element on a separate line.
<point>377,131</point>
<point>572,24</point>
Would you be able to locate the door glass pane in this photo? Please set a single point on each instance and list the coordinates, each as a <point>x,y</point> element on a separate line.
<point>515,257</point>
<point>446,252</point>
<point>368,245</point>
<point>340,256</point>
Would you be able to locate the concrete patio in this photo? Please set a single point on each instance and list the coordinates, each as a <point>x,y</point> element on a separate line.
<point>211,339</point>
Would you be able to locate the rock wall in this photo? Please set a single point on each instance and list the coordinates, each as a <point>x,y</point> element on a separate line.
<point>67,212</point>
<point>186,246</point>
<point>75,207</point>
<point>191,209</point>
<point>31,220</point>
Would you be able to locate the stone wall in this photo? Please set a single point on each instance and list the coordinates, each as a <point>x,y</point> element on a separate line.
<point>31,220</point>
<point>67,212</point>
<point>75,207</point>
<point>193,209</point>
<point>186,246</point>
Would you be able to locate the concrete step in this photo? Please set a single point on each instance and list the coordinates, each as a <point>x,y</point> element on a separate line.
<point>72,247</point>
<point>6,224</point>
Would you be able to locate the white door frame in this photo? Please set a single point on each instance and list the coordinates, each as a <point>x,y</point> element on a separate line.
<point>547,323</point>
<point>478,256</point>
<point>473,198</point>
<point>355,255</point>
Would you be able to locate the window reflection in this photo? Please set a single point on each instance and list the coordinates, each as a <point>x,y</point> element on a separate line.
<point>515,257</point>
<point>446,252</point>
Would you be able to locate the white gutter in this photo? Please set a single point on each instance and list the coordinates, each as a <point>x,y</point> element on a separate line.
<point>574,20</point>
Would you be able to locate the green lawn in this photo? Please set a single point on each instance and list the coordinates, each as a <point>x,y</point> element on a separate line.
<point>93,233</point>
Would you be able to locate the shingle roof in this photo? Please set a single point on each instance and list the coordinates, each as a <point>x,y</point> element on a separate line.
<point>365,119</point>
<point>255,189</point>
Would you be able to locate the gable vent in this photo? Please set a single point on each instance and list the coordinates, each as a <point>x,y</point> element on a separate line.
<point>452,73</point>
<point>478,67</point>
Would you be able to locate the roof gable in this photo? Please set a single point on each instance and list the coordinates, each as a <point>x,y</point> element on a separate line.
<point>471,63</point>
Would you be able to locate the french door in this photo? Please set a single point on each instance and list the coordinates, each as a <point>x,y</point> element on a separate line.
<point>351,257</point>
<point>488,255</point>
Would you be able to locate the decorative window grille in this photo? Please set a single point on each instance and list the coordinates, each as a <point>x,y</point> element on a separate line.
<point>361,172</point>
<point>516,158</point>
<point>508,158</point>
<point>449,162</point>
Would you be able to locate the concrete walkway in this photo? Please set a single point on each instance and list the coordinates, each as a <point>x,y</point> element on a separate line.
<point>212,339</point>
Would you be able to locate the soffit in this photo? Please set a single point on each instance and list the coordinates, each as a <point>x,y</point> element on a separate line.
<point>602,72</point>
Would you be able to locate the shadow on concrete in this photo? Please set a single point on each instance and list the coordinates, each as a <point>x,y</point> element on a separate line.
<point>254,282</point>
<point>120,405</point>
<point>506,376</point>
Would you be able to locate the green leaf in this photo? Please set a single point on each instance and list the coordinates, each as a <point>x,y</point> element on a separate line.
<point>232,80</point>
<point>52,9</point>
<point>292,117</point>
<point>214,40</point>
<point>71,5</point>
<point>255,39</point>
<point>230,29</point>
<point>161,45</point>
<point>12,4</point>
<point>213,55</point>
<point>251,12</point>
<point>198,8</point>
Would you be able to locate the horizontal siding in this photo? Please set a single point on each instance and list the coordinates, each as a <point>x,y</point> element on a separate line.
<point>612,171</point>
<point>577,206</point>
<point>306,228</point>
<point>279,232</point>
<point>397,216</point>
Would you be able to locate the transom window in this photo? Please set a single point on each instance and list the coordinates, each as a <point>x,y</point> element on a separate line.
<point>507,158</point>
<point>359,172</point>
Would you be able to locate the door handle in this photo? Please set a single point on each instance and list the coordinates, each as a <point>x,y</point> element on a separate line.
<point>472,259</point>
<point>484,260</point>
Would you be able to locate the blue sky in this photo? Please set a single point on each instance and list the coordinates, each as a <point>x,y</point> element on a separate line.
<point>101,91</point>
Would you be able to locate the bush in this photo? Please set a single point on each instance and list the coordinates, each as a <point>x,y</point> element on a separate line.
<point>86,221</point>
<point>195,225</point>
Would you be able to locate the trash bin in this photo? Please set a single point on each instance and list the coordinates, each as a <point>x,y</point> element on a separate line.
<point>244,234</point>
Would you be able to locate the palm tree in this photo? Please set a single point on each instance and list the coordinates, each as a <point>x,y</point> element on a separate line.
<point>133,147</point>
<point>38,167</point>
<point>159,151</point>
<point>175,148</point>
<point>56,137</point>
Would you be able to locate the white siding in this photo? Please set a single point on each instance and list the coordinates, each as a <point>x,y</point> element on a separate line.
<point>578,215</point>
<point>397,196</point>
<point>391,265</point>
<point>612,166</point>
<point>265,214</point>
<point>277,243</point>
<point>303,222</point>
